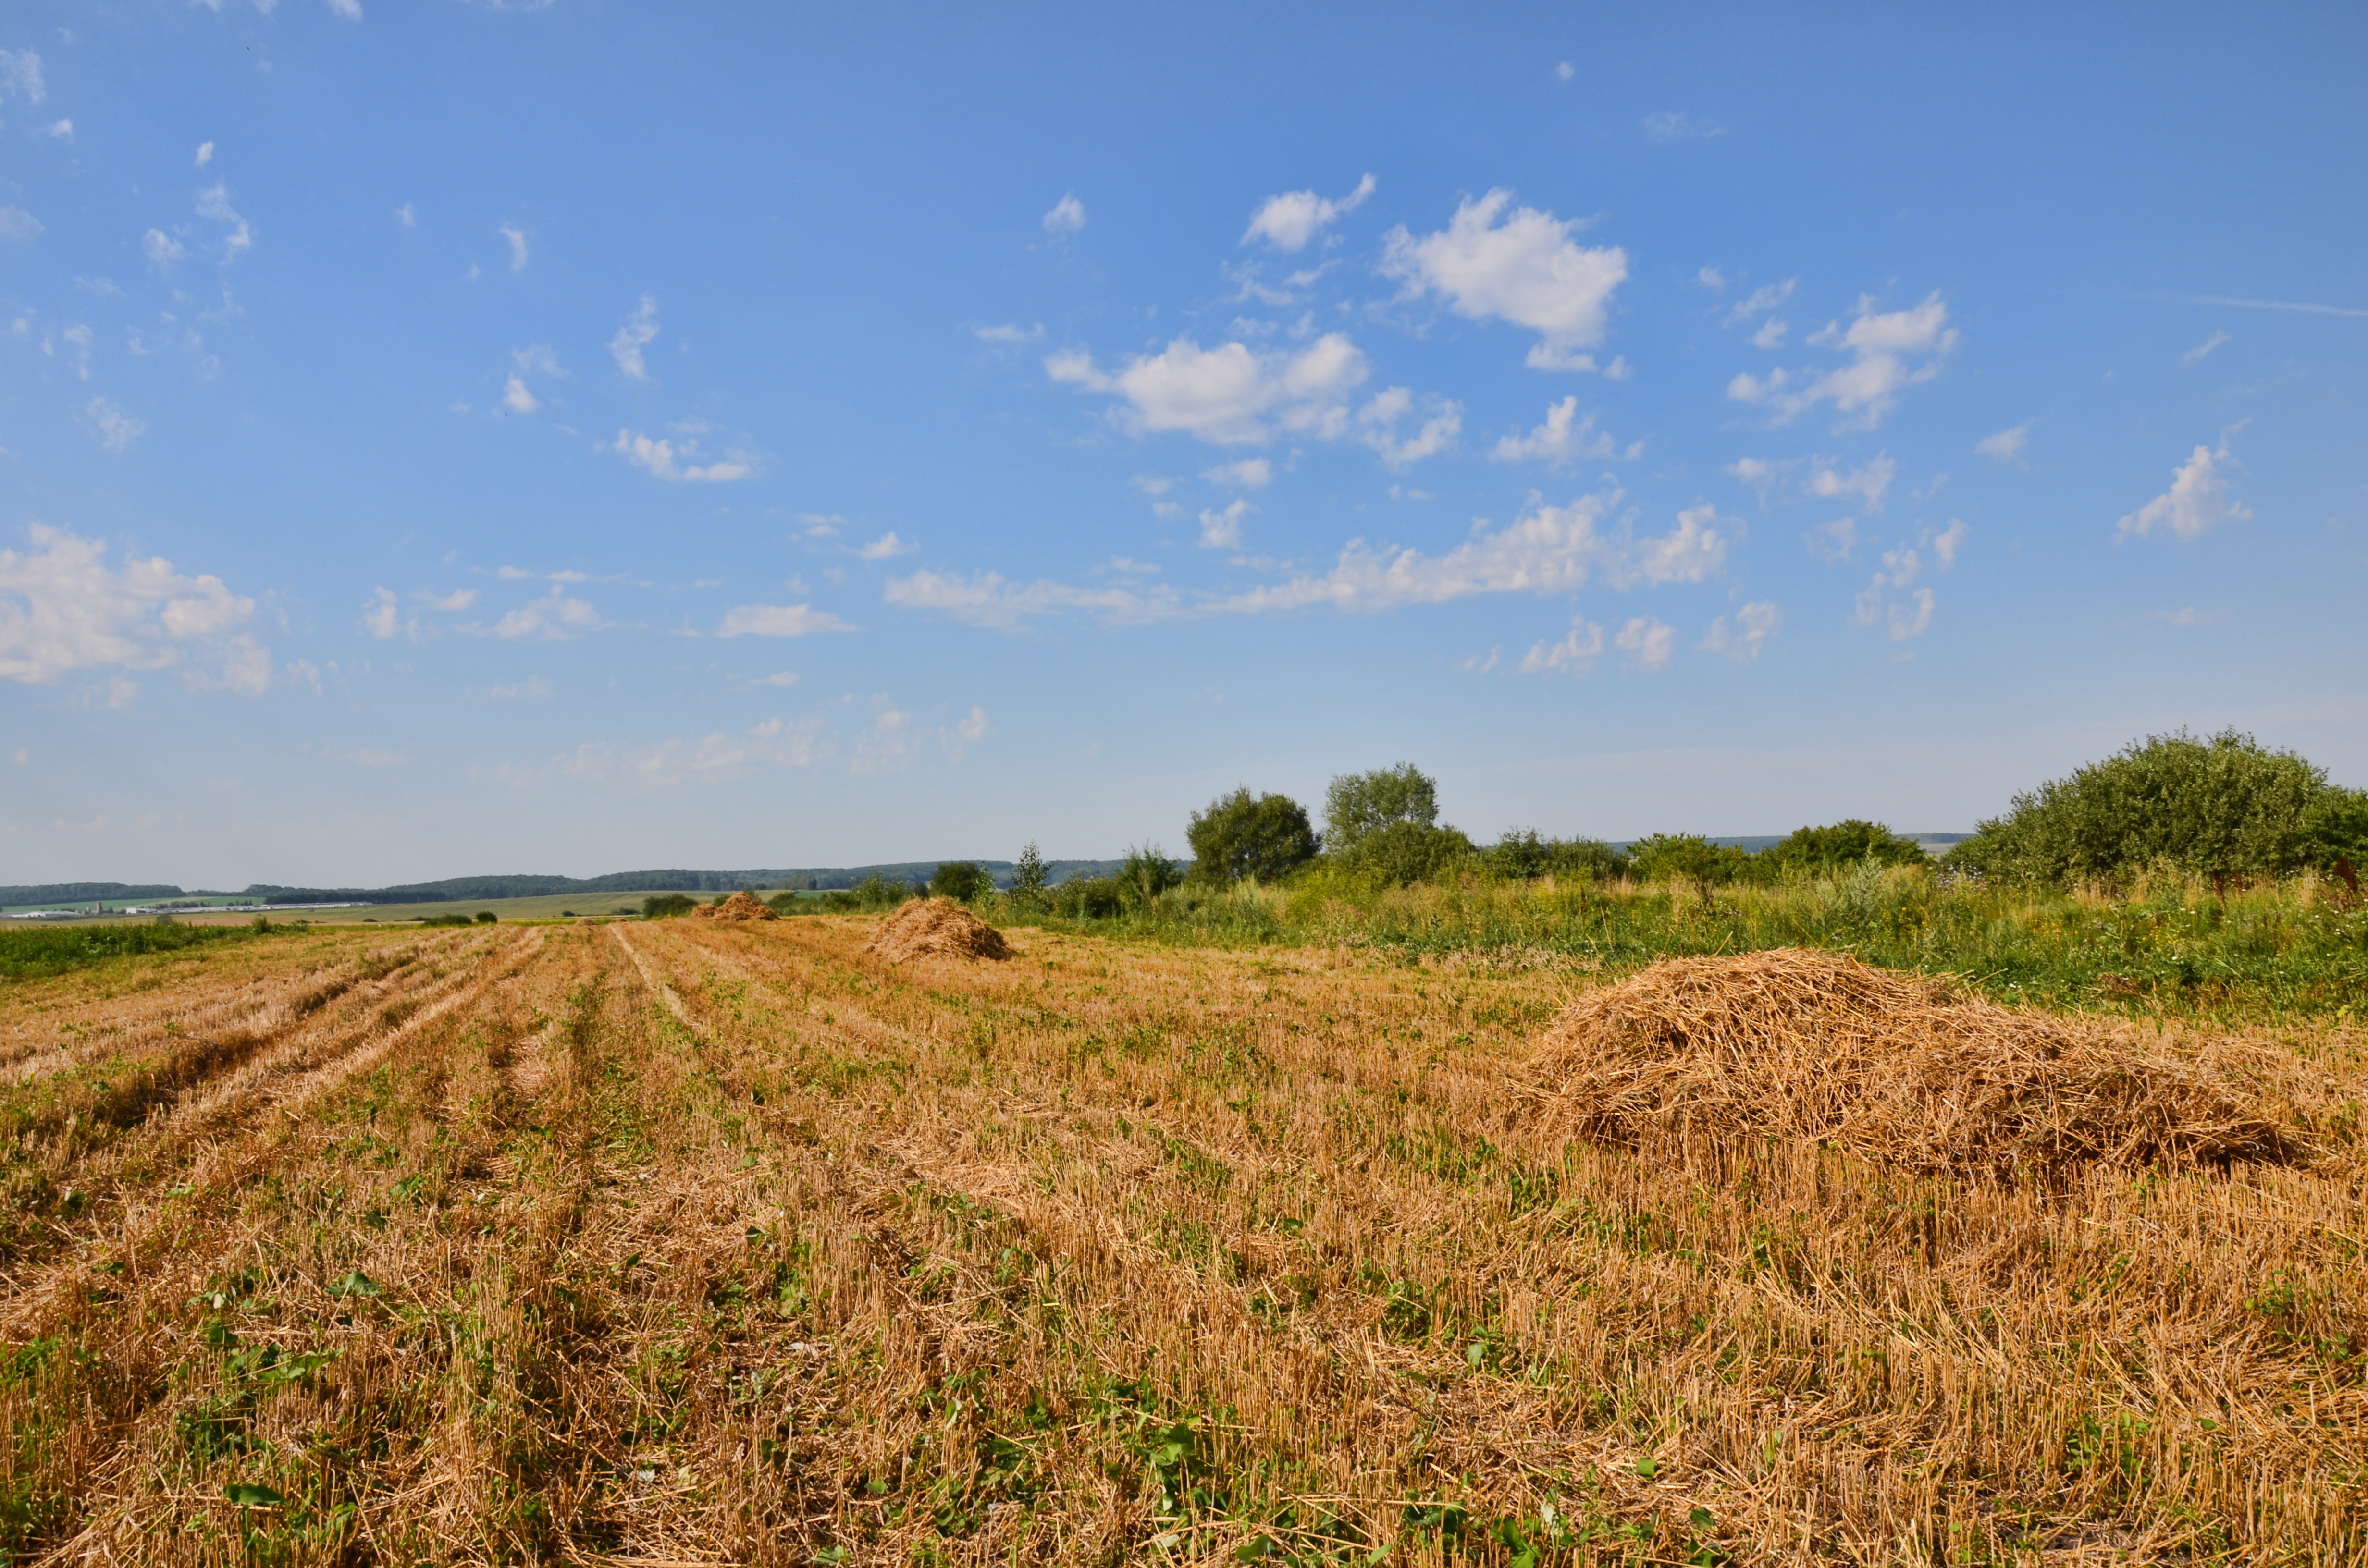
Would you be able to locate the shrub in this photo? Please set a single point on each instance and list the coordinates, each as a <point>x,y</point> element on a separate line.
<point>960,880</point>
<point>1358,804</point>
<point>789,903</point>
<point>1266,839</point>
<point>2224,806</point>
<point>2335,829</point>
<point>1087,898</point>
<point>487,917</point>
<point>1405,852</point>
<point>1820,851</point>
<point>666,905</point>
<point>1657,856</point>
<point>1147,873</point>
<point>1524,855</point>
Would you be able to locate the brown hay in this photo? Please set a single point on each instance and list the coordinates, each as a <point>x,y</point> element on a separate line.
<point>937,926</point>
<point>739,906</point>
<point>1897,1069</point>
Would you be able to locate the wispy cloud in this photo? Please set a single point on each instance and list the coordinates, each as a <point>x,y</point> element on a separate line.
<point>633,336</point>
<point>886,546</point>
<point>116,429</point>
<point>2196,354</point>
<point>1010,332</point>
<point>1890,351</point>
<point>2305,307</point>
<point>2007,445</point>
<point>1288,221</point>
<point>661,458</point>
<point>778,621</point>
<point>517,238</point>
<point>1754,624</point>
<point>2196,503</point>
<point>1677,125</point>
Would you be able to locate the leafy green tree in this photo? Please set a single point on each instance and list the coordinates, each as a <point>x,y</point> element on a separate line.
<point>1267,837</point>
<point>1657,856</point>
<point>1525,855</point>
<point>1147,873</point>
<point>1028,873</point>
<point>1410,852</point>
<point>960,880</point>
<point>1853,842</point>
<point>2335,829</point>
<point>2224,806</point>
<point>1360,803</point>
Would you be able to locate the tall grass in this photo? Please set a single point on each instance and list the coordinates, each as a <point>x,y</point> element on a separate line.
<point>31,952</point>
<point>2170,944</point>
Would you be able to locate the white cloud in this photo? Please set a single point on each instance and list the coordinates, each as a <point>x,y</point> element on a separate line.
<point>1712,279</point>
<point>452,603</point>
<point>778,621</point>
<point>1891,600</point>
<point>782,678</point>
<point>821,524</point>
<point>1250,474</point>
<point>520,399</point>
<point>1068,216</point>
<point>162,250</point>
<point>214,206</point>
<point>1754,624</point>
<point>381,617</point>
<point>63,129</point>
<point>1760,301</point>
<point>1870,482</point>
<point>407,215</point>
<point>532,687</point>
<point>1676,125</point>
<point>658,459</point>
<point>517,238</point>
<point>1771,334</point>
<point>79,337</point>
<point>1565,72</point>
<point>2195,353</point>
<point>349,10</point>
<point>1758,473</point>
<point>1377,425</point>
<point>633,337</point>
<point>1832,541</point>
<point>1526,270</point>
<point>1577,652</point>
<point>2006,447</point>
<point>972,728</point>
<point>1947,542</point>
<point>205,155</point>
<point>536,359</point>
<point>1228,395</point>
<point>1288,221</point>
<point>1010,332</point>
<point>18,225</point>
<point>717,758</point>
<point>1563,439</point>
<point>1223,530</point>
<point>2188,615</point>
<point>1648,643</point>
<point>1889,352</point>
<point>20,75</point>
<point>64,610</point>
<point>116,429</point>
<point>2196,502</point>
<point>887,545</point>
<point>988,599</point>
<point>554,615</point>
<point>1155,483</point>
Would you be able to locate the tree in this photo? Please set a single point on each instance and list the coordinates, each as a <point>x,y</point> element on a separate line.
<point>1359,804</point>
<point>960,880</point>
<point>1410,851</point>
<point>1524,854</point>
<point>1657,856</point>
<point>2224,806</point>
<point>1147,873</point>
<point>662,905</point>
<point>1028,873</point>
<point>1238,837</point>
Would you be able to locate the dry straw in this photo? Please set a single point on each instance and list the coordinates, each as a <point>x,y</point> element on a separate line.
<point>742,905</point>
<point>1897,1069</point>
<point>936,927</point>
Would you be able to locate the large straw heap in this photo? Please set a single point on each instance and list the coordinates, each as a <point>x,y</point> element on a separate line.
<point>1906,1072</point>
<point>936,927</point>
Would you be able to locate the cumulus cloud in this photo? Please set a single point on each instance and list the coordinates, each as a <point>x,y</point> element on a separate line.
<point>1223,530</point>
<point>214,206</point>
<point>633,336</point>
<point>662,459</point>
<point>2196,503</point>
<point>555,615</point>
<point>1826,482</point>
<point>64,609</point>
<point>1068,216</point>
<point>1753,625</point>
<point>2006,447</point>
<point>1576,653</point>
<point>887,545</point>
<point>205,155</point>
<point>1526,270</point>
<point>1250,474</point>
<point>1648,642</point>
<point>1546,549</point>
<point>115,430</point>
<point>1889,352</point>
<point>518,398</point>
<point>1288,221</point>
<point>778,621</point>
<point>1563,439</point>
<point>517,238</point>
<point>1228,395</point>
<point>1377,426</point>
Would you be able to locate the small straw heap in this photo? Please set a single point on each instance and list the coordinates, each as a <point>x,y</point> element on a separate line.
<point>938,928</point>
<point>1895,1069</point>
<point>739,906</point>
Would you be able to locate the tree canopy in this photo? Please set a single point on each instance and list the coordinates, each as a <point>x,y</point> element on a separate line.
<point>1266,837</point>
<point>1360,803</point>
<point>960,880</point>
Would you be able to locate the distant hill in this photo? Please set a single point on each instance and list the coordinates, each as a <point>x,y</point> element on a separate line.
<point>82,892</point>
<point>463,888</point>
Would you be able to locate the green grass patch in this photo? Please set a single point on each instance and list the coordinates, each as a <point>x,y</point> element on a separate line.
<point>34,952</point>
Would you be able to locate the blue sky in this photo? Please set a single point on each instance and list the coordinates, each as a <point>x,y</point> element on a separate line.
<point>446,439</point>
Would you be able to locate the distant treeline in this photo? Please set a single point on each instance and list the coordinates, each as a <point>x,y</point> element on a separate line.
<point>84,892</point>
<point>453,889</point>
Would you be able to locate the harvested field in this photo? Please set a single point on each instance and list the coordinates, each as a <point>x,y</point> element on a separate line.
<point>714,1241</point>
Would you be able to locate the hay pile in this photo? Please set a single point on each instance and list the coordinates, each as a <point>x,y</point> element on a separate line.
<point>739,906</point>
<point>937,926</point>
<point>1895,1069</point>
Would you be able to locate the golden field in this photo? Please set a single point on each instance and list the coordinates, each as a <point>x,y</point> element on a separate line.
<point>694,1243</point>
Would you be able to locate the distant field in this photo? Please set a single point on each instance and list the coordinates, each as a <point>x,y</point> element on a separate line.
<point>689,1244</point>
